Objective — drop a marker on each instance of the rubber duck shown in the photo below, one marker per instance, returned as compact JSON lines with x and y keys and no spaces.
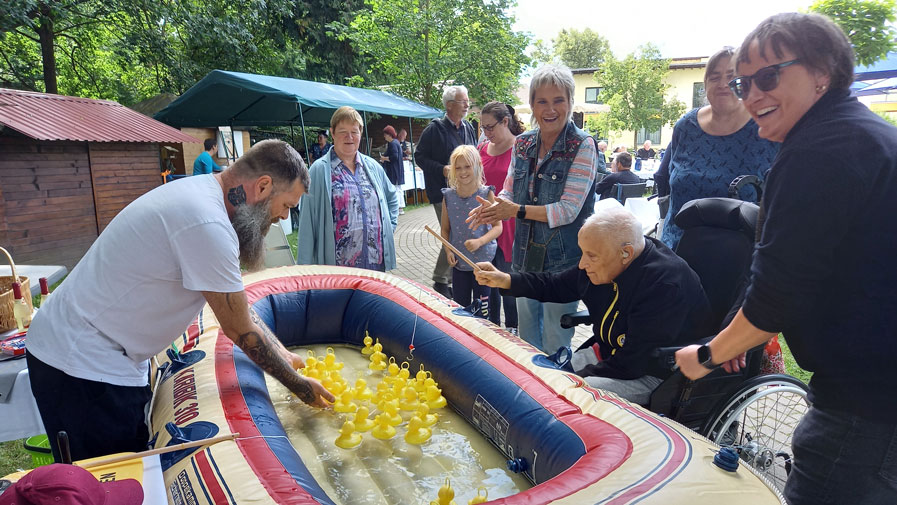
{"x":330,"y":360}
{"x":423,"y":412}
{"x":338,"y":384}
{"x":327,"y":382}
{"x":391,"y":411}
{"x":392,"y":369}
{"x":361,"y":420}
{"x":479,"y":498}
{"x":368,"y":348}
{"x":445,"y":495}
{"x":347,"y":438}
{"x":404,"y":371}
{"x":362,"y":391}
{"x":420,"y":380}
{"x":434,"y":398}
{"x":408,"y":400}
{"x":383,"y":430}
{"x":377,"y":361}
{"x":417,"y":433}
{"x":311,"y":360}
{"x":344,"y":402}
{"x":310,"y":371}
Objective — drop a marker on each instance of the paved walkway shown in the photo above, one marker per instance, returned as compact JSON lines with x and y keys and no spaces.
{"x":416,"y":252}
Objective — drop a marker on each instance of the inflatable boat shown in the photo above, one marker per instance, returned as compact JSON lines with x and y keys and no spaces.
{"x":575,"y":444}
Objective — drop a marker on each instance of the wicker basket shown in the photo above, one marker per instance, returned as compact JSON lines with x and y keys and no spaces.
{"x":7,"y":320}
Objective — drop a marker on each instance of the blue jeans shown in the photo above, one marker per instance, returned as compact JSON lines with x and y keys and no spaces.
{"x":497,"y":300}
{"x":840,"y":458}
{"x":540,"y":323}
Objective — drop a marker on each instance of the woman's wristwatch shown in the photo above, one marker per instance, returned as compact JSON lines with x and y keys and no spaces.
{"x":521,"y":212}
{"x":706,"y":359}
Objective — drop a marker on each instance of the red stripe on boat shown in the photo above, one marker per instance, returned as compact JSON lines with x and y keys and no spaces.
{"x":208,"y":478}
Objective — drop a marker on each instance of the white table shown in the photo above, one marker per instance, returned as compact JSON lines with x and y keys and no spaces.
{"x":414,"y":179}
{"x":53,"y":273}
{"x":18,"y":410}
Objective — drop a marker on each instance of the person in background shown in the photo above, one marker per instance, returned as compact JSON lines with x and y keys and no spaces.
{"x":466,"y":184}
{"x":822,"y":272}
{"x":646,"y":152}
{"x":500,"y":125}
{"x":204,"y":164}
{"x":144,"y":279}
{"x":322,"y":147}
{"x":656,"y":299}
{"x":600,"y":159}
{"x":710,"y":147}
{"x":550,"y":190}
{"x":406,"y":146}
{"x":434,"y":148}
{"x":395,"y":171}
{"x":350,"y":212}
{"x":607,"y":187}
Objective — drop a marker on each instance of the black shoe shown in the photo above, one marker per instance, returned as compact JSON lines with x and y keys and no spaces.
{"x":443,"y":289}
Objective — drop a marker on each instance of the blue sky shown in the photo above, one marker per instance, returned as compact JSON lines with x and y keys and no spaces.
{"x":679,"y":27}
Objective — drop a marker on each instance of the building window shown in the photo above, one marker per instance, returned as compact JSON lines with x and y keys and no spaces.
{"x":592,"y":95}
{"x":643,"y":135}
{"x":698,"y":95}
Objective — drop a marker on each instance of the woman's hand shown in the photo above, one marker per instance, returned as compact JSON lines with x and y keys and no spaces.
{"x":472,"y":244}
{"x":491,"y":213}
{"x":450,"y":256}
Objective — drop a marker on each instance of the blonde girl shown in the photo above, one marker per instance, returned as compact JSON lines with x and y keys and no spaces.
{"x":467,"y":182}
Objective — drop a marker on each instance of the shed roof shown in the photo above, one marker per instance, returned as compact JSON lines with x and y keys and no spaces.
{"x":44,"y":116}
{"x":240,"y":99}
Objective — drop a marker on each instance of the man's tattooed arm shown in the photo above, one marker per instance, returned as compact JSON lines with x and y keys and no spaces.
{"x":262,"y":347}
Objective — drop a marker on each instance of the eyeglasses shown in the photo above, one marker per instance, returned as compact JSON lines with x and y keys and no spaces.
{"x":462,"y":102}
{"x":491,"y":127}
{"x":767,"y":78}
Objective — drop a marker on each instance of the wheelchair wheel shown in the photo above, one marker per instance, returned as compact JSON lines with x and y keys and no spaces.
{"x":758,"y":421}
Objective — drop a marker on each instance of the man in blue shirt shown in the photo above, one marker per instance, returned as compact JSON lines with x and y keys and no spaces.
{"x":204,"y":163}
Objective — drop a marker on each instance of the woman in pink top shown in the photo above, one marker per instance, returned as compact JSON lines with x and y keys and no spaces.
{"x":501,"y":126}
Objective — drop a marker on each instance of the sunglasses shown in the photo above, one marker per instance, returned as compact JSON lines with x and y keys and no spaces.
{"x":766,"y":79}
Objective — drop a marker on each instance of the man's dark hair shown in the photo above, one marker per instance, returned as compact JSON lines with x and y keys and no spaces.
{"x":208,"y":144}
{"x":322,"y":134}
{"x":274,"y":158}
{"x":624,"y":160}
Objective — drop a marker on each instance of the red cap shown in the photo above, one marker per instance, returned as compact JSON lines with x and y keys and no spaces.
{"x":44,"y":288}
{"x":16,"y":290}
{"x":58,"y":484}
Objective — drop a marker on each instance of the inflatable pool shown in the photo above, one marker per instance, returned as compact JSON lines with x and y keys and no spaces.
{"x":574,"y":443}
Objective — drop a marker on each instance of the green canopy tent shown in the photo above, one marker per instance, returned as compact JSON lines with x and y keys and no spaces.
{"x":240,"y":99}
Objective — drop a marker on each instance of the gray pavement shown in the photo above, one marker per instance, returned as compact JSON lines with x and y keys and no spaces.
{"x":416,"y":252}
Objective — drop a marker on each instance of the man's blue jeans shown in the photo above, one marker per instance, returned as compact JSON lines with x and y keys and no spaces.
{"x":840,"y":458}
{"x":540,"y":323}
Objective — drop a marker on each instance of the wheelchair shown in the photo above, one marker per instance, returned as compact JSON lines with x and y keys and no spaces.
{"x":754,"y":414}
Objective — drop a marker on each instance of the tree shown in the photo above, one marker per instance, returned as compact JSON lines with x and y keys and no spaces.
{"x":867,"y":24}
{"x":634,"y":88}
{"x":419,"y":47}
{"x":581,"y":49}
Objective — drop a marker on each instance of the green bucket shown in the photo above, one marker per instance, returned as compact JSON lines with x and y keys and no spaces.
{"x":38,"y":447}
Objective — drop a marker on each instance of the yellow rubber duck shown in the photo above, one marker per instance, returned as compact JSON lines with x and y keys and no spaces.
{"x":383,"y":430}
{"x":420,"y":380}
{"x":391,"y":411}
{"x":347,"y":438}
{"x":377,"y":362}
{"x":446,"y":495}
{"x":362,"y":391}
{"x":362,"y":422}
{"x":479,"y":498}
{"x":368,"y":349}
{"x":417,"y":433}
{"x":344,"y":402}
{"x":434,"y":398}
{"x":310,"y":360}
{"x":405,"y":371}
{"x":423,"y":412}
{"x":409,"y":399}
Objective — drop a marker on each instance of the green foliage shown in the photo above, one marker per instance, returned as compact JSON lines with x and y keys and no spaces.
{"x":634,"y":88}
{"x":419,"y":47}
{"x":867,"y":24}
{"x":13,"y":457}
{"x":581,"y":49}
{"x":889,"y":117}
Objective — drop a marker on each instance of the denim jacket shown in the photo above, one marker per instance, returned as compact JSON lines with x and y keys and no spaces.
{"x":562,"y":249}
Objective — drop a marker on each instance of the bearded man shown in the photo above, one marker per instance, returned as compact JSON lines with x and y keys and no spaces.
{"x":143,"y":281}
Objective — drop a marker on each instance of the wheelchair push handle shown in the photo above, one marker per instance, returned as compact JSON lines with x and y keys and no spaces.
{"x":666,"y":356}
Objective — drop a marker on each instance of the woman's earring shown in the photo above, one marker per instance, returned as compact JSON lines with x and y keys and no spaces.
{"x":821,"y":88}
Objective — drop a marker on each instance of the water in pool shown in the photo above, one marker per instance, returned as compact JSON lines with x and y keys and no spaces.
{"x":390,"y":471}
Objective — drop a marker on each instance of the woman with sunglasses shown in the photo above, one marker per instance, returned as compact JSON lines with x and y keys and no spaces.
{"x":823,"y":272}
{"x":501,"y":127}
{"x":711,"y":146}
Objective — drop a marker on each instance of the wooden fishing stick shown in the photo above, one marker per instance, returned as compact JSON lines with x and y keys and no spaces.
{"x":161,"y":450}
{"x":453,"y":249}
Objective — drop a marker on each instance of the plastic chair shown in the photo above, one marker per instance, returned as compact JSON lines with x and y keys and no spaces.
{"x":625,"y":191}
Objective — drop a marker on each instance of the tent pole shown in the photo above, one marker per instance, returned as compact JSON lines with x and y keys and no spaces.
{"x":292,"y":137}
{"x":233,"y":143}
{"x":304,"y":138}
{"x":413,"y":169}
{"x":367,"y":141}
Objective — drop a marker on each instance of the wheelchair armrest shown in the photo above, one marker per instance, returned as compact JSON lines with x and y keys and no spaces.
{"x":575,"y":319}
{"x":666,"y":356}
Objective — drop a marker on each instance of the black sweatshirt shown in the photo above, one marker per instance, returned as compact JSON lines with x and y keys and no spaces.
{"x":656,"y":302}
{"x":825,"y":270}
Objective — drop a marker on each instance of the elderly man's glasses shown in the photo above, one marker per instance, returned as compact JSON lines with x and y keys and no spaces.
{"x":462,"y":102}
{"x":489,"y":128}
{"x":766,"y":79}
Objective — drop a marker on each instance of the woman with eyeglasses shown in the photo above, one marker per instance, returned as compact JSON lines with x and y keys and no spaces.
{"x":549,"y":188}
{"x":501,"y":126}
{"x":711,"y":146}
{"x":823,"y":272}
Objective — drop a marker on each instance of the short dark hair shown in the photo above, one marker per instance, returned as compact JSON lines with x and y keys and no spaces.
{"x":624,"y":160}
{"x":499,"y":111}
{"x":208,"y":144}
{"x":322,"y":134}
{"x":725,"y":52}
{"x":274,"y":158}
{"x":814,"y":39}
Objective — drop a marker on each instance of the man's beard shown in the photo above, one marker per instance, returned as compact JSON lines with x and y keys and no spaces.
{"x":251,"y":223}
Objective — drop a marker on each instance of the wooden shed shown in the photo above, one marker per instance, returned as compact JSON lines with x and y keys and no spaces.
{"x":68,"y":165}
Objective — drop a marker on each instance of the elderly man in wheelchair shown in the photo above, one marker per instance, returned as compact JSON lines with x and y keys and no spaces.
{"x":642,"y":297}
